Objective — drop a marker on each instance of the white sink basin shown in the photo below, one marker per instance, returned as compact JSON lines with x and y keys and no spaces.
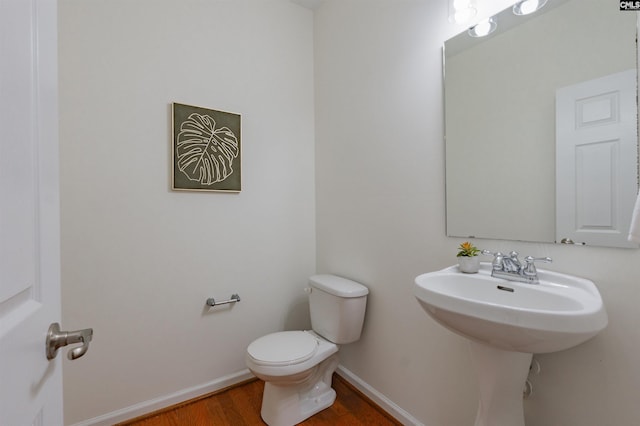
{"x":560,"y":312}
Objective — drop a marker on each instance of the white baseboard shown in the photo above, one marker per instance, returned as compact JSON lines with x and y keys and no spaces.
{"x":159,"y":403}
{"x":382,"y":401}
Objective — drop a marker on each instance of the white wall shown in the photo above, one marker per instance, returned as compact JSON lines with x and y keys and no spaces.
{"x":380,"y":220}
{"x":138,"y":260}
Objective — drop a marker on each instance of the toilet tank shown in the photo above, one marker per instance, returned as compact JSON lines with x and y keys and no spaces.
{"x":337,"y":307}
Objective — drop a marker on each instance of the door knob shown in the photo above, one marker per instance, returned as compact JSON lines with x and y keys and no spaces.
{"x":57,"y":339}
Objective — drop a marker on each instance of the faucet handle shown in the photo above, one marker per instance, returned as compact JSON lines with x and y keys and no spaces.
{"x":530,"y":259}
{"x":529,"y":267}
{"x":496,"y":264}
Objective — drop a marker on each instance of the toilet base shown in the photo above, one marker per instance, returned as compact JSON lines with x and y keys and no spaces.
{"x":290,"y":404}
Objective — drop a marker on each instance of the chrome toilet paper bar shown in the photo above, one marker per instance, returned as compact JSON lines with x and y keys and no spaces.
{"x":234,"y":298}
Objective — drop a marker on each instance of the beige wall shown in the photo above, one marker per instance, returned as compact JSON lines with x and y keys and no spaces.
{"x":380,"y":219}
{"x":138,"y":260}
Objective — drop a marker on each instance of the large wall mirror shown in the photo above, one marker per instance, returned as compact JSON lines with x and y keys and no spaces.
{"x":541,"y":126}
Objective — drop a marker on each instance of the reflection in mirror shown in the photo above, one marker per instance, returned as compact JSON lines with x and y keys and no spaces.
{"x":512,"y":99}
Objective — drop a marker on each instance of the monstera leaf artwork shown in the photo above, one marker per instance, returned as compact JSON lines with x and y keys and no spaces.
{"x":206,"y":154}
{"x":206,"y":149}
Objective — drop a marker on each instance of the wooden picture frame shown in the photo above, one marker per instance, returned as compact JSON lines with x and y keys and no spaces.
{"x":206,"y":149}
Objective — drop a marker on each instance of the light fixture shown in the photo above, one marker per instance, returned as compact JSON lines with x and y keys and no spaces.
{"x":483,"y":28}
{"x":526,"y":7}
{"x":461,"y":11}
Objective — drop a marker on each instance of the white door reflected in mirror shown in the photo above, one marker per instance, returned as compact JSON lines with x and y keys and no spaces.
{"x":596,"y":160}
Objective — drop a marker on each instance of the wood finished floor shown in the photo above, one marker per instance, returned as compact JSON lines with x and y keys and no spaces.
{"x":240,"y":406}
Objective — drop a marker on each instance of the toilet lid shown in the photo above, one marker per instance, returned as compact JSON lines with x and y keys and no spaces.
{"x":283,"y":348}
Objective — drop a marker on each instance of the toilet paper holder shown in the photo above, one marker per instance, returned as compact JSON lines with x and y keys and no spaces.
{"x":233,"y":299}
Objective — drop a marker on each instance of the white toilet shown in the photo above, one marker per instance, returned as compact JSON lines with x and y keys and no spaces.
{"x":297,"y":365}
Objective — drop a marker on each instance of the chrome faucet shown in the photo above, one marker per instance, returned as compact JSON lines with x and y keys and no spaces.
{"x":510,"y":268}
{"x":511,"y":263}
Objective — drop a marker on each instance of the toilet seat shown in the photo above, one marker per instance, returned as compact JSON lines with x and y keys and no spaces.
{"x":283,"y":348}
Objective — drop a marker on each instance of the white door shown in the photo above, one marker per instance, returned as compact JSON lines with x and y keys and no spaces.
{"x":596,"y":160}
{"x":30,"y":385}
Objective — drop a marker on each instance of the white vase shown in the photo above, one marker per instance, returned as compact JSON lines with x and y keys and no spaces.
{"x":469,"y":265}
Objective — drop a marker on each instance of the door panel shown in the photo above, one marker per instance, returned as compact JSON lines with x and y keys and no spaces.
{"x":596,"y":160}
{"x":30,"y":386}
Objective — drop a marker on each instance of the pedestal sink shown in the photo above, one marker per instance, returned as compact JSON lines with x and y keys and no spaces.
{"x":507,"y":322}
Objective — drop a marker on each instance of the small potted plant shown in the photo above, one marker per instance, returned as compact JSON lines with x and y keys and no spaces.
{"x":468,"y":260}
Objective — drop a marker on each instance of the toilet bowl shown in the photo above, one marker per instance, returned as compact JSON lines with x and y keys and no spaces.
{"x":297,"y":366}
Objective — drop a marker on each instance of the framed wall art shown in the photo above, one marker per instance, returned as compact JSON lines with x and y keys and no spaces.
{"x":206,"y":149}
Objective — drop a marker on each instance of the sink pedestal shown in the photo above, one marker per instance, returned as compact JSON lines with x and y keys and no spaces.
{"x":501,"y":378}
